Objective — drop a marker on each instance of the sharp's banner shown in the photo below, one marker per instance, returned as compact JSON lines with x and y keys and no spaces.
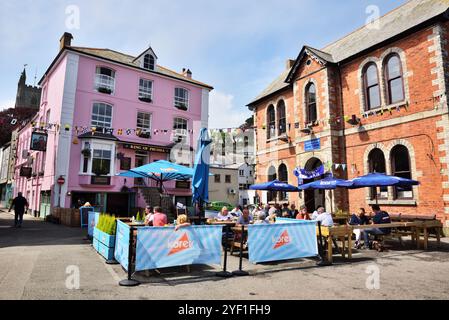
{"x":282,"y":241}
{"x":121,"y":250}
{"x":165,"y":247}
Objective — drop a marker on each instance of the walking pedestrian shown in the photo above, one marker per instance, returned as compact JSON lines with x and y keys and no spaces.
{"x":19,"y":203}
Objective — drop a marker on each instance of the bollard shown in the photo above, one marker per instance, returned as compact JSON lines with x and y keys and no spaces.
{"x":130,"y":282}
{"x":224,"y":273}
{"x":240,"y":272}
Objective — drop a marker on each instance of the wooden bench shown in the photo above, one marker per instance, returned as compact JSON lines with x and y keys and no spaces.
{"x":342,"y":233}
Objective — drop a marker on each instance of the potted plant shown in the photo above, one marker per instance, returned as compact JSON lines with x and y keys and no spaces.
{"x":86,"y":152}
{"x":104,"y":236}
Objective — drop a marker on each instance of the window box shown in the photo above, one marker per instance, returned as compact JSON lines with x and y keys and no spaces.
{"x":41,"y":173}
{"x":34,"y":174}
{"x":104,"y":90}
{"x":143,"y":99}
{"x":181,"y":106}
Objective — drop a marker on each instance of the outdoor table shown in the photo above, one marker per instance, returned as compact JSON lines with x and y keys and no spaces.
{"x":414,"y":226}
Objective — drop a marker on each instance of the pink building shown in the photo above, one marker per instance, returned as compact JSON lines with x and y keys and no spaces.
{"x":103,"y":112}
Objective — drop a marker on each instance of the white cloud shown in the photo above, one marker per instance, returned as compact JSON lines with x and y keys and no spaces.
{"x":223,"y":113}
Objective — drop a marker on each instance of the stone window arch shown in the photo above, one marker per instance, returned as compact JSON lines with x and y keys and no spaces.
{"x":394,"y":79}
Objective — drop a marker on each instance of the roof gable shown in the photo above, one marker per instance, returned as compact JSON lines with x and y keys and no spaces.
{"x":319,"y":56}
{"x":149,"y":50}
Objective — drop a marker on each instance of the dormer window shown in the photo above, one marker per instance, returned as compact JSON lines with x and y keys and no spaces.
{"x":149,"y":62}
{"x":181,"y":98}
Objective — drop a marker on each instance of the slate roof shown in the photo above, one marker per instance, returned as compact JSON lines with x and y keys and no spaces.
{"x":401,"y":19}
{"x":131,"y":61}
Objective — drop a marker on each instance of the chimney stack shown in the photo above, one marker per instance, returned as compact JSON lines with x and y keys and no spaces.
{"x":187,"y":73}
{"x":289,"y":63}
{"x":65,"y":41}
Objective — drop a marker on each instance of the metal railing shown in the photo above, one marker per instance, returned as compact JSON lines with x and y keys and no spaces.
{"x":105,"y":82}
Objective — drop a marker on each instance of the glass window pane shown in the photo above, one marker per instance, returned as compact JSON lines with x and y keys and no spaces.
{"x":396,"y":90}
{"x":394,"y":67}
{"x":371,"y":75}
{"x":373,"y":97}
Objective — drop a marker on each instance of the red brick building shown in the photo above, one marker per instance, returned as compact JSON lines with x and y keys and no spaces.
{"x":373,"y":101}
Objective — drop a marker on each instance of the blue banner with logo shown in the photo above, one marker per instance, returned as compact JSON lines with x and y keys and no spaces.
{"x":162,"y":247}
{"x":121,"y":250}
{"x":93,"y":220}
{"x":282,"y":241}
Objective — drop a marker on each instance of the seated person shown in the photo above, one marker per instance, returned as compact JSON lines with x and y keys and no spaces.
{"x":159,"y":218}
{"x":303,"y":214}
{"x":293,"y":211}
{"x":224,"y":215}
{"x":285,"y":211}
{"x":315,"y":213}
{"x":149,"y":215}
{"x":358,"y":219}
{"x":246,"y":218}
{"x":182,"y":221}
{"x":380,"y":217}
{"x":261,"y":218}
{"x":324,"y":217}
{"x":272,"y":214}
{"x":237,"y":211}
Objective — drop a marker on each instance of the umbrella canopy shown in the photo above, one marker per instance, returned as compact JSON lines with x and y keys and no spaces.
{"x":381,"y":180}
{"x":200,"y":180}
{"x":328,"y":183}
{"x":160,"y":171}
{"x":274,"y":185}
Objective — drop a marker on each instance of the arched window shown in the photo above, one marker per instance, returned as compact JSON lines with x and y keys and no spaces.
{"x":393,"y":79}
{"x":282,"y":123}
{"x":271,"y":195}
{"x":148,"y":62}
{"x":283,"y":177}
{"x":271,"y":122}
{"x":311,"y":112}
{"x":371,"y":87}
{"x":376,"y":161}
{"x":400,"y":166}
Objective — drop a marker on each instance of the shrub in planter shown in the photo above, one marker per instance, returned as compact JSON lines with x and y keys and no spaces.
{"x":104,"y":235}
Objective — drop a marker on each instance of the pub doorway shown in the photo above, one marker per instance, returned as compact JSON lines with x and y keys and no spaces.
{"x":313,"y":198}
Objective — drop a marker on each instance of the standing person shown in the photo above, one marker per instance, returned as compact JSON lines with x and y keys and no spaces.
{"x":159,"y":218}
{"x":19,"y":203}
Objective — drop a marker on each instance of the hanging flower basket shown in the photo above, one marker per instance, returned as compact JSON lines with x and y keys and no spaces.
{"x":86,"y":152}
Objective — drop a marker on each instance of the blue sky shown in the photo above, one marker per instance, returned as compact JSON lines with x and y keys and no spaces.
{"x":238,"y":47}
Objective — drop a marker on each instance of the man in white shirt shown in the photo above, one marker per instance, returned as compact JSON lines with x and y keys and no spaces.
{"x":324,"y":217}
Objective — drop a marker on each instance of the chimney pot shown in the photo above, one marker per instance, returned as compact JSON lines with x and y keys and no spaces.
{"x":65,"y":41}
{"x":289,"y":63}
{"x":189,"y":74}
